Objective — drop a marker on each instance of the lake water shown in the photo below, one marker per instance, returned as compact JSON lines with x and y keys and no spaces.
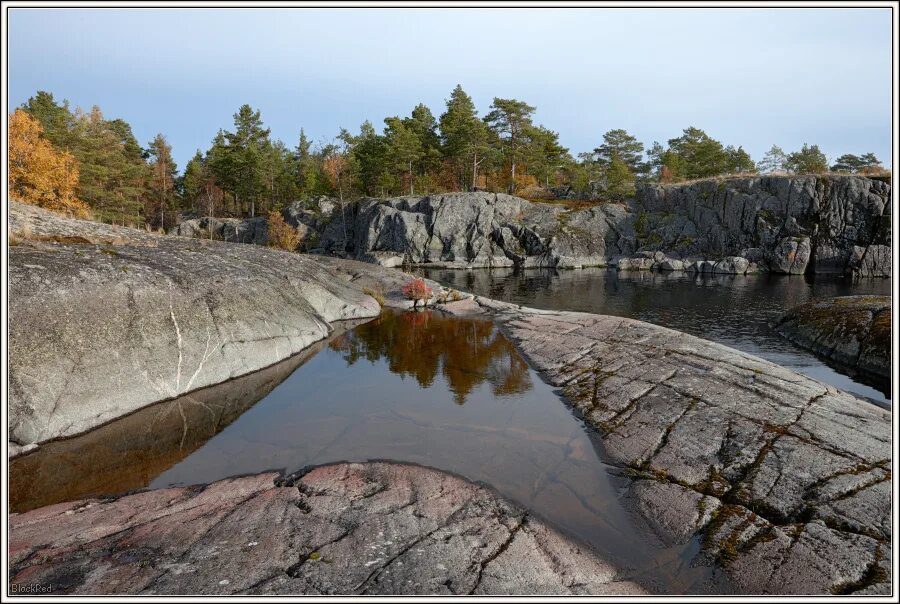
{"x":735,"y":310}
{"x":418,"y":387}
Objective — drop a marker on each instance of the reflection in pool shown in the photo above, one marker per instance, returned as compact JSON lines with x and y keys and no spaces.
{"x":418,"y":387}
{"x":419,"y":344}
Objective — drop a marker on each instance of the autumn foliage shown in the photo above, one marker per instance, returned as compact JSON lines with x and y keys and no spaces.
{"x":416,"y":290}
{"x":39,"y":174}
{"x":281,"y":234}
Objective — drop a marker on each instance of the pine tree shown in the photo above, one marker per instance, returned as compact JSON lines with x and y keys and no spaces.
{"x":403,"y":149}
{"x":57,"y":120}
{"x":246,"y":150}
{"x":193,"y":180}
{"x":510,"y":120}
{"x":423,"y":123}
{"x":544,"y":155}
{"x":739,"y":161}
{"x":464,"y":137}
{"x":619,"y":144}
{"x":808,"y":160}
{"x":619,"y":179}
{"x":775,"y":160}
{"x":161,"y":200}
{"x":699,"y":155}
{"x":307,"y":171}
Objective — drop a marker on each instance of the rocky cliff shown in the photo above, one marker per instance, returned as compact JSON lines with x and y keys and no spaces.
{"x":781,"y":224}
{"x":788,"y":224}
{"x":469,"y":230}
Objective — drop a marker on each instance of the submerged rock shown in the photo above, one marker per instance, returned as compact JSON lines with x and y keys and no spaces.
{"x":852,"y":331}
{"x":372,"y":528}
{"x":105,"y":320}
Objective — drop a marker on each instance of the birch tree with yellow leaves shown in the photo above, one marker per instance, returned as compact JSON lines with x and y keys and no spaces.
{"x":39,"y":174}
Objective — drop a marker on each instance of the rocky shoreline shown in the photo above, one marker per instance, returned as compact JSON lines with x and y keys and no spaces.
{"x":854,"y":332}
{"x":787,"y":480}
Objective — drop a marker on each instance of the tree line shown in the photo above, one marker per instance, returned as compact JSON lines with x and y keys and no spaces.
{"x":80,"y":161}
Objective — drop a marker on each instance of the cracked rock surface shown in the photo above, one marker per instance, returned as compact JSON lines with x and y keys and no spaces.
{"x":852,"y":331}
{"x":105,"y":320}
{"x":788,"y":479}
{"x":372,"y":528}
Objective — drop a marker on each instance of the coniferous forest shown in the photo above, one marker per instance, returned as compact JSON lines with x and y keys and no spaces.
{"x":85,"y":163}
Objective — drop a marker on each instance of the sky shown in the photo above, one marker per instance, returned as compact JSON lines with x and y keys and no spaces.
{"x":747,"y":77}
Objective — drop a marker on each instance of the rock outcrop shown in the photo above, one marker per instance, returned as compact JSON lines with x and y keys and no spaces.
{"x":737,"y":225}
{"x":470,"y":230}
{"x":854,"y":332}
{"x":787,"y":479}
{"x":820,"y":224}
{"x":374,"y":528}
{"x":106,"y":320}
{"x":232,"y":230}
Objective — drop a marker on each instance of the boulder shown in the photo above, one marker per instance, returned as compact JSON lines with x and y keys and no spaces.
{"x":637,"y":263}
{"x":791,"y":256}
{"x":732,"y":265}
{"x":375,"y":528}
{"x":233,"y":230}
{"x":670,"y":264}
{"x":871,"y":261}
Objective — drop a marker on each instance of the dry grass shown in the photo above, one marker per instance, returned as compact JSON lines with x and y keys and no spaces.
{"x":376,"y":292}
{"x":572,"y":204}
{"x":739,"y":175}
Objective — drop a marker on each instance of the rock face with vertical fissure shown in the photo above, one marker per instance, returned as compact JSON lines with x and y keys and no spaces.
{"x":373,"y":528}
{"x":471,"y":230}
{"x":821,"y":224}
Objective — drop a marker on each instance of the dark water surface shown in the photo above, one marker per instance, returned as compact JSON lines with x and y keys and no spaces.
{"x":735,"y":310}
{"x":417,"y":387}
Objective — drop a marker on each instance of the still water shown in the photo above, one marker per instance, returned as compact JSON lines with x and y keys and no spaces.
{"x":417,"y":387}
{"x":735,"y":310}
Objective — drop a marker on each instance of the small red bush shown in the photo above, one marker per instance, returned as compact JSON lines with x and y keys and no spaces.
{"x":416,"y":290}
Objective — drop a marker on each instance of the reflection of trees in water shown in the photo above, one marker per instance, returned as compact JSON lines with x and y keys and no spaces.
{"x":467,"y":352}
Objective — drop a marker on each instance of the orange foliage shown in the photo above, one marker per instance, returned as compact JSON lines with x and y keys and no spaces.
{"x":38,"y":173}
{"x":665,"y":175}
{"x":281,"y":234}
{"x":416,"y":290}
{"x":334,"y":167}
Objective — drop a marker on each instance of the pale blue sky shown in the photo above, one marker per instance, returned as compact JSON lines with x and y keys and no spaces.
{"x":747,"y":77}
